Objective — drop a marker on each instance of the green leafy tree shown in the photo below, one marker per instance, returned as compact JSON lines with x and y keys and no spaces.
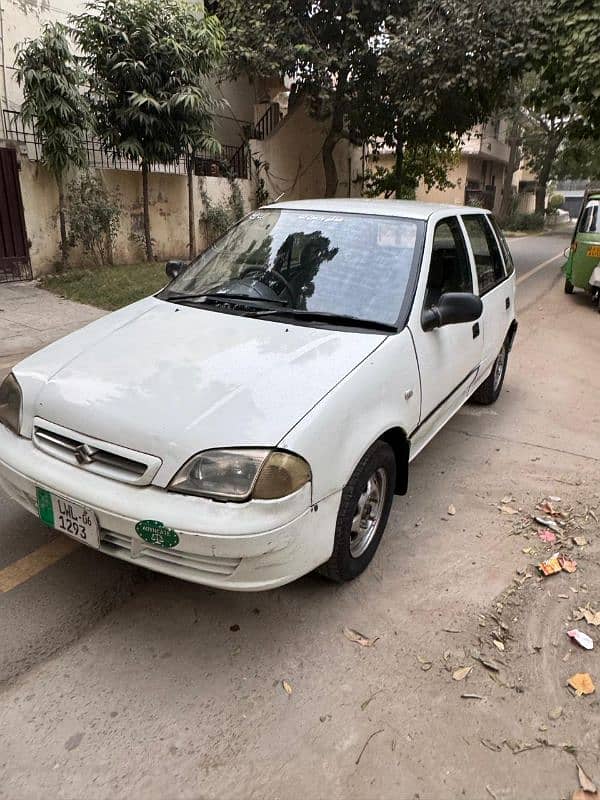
{"x":52,"y":103}
{"x":578,"y":159}
{"x":420,"y":162}
{"x":148,"y":62}
{"x":328,"y":47}
{"x":445,"y":67}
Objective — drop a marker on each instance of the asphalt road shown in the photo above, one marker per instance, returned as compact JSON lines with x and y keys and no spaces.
{"x":150,"y":692}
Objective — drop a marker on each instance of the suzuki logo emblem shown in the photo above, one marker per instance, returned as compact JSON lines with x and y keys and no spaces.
{"x":84,"y":454}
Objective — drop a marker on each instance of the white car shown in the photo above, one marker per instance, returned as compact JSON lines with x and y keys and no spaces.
{"x":253,"y":420}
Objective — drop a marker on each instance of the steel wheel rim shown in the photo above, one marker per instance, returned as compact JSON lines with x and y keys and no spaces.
{"x":369,"y":510}
{"x":499,"y":369}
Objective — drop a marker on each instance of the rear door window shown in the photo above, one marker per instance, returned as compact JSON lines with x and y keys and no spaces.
{"x":508,"y":261}
{"x":488,"y":261}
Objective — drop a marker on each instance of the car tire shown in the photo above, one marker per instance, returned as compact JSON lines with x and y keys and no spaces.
{"x":568,"y":286}
{"x":490,"y":389}
{"x":362,"y":517}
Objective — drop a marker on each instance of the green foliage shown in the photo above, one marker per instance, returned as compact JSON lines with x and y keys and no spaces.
{"x":430,"y":164}
{"x":578,"y":158}
{"x":568,"y":56}
{"x":555,"y":201}
{"x":93,"y":217}
{"x":519,"y":221}
{"x":148,"y":63}
{"x":51,"y":82}
{"x":219,"y":217}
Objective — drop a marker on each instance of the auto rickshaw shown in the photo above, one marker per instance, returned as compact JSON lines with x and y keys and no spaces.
{"x":583,"y":259}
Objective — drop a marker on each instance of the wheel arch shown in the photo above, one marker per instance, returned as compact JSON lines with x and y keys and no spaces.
{"x":400,"y":444}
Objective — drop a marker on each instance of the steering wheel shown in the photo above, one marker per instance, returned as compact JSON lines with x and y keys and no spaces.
{"x":270,"y":272}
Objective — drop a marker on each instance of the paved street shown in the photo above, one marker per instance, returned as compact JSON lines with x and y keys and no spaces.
{"x":116,"y":683}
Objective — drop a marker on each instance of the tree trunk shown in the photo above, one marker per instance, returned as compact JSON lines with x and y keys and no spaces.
{"x":399,"y":165}
{"x":147,"y":237}
{"x":64,"y":246}
{"x":544,"y":174}
{"x":191,"y":210}
{"x":514,"y":159}
{"x":329,"y":166}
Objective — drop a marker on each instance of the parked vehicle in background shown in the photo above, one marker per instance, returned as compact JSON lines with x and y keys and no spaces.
{"x":584,"y":254}
{"x":253,"y":420}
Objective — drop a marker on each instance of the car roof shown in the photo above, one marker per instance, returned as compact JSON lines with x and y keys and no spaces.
{"x":410,"y":209}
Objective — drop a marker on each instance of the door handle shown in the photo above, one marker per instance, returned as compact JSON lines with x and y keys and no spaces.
{"x":507,"y":303}
{"x":476,"y":330}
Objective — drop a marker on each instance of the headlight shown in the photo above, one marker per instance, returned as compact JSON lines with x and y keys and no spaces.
{"x":11,"y":403}
{"x":242,"y":474}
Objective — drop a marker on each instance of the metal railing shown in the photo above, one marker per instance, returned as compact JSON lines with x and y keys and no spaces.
{"x":268,"y":122}
{"x":232,"y":160}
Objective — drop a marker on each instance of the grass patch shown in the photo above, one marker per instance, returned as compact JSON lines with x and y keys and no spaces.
{"x":107,"y":287}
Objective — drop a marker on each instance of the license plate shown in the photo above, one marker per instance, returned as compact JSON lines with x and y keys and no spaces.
{"x":68,"y":517}
{"x":594,"y":251}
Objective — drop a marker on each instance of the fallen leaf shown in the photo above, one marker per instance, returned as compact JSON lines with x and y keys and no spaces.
{"x":499,"y":645}
{"x":426,"y":667}
{"x":568,"y":564}
{"x":506,"y":499}
{"x":470,"y":696}
{"x":487,"y":662}
{"x":585,"y":782}
{"x":580,"y":541}
{"x":555,"y":713}
{"x":451,"y":510}
{"x":507,"y":509}
{"x":591,"y":617}
{"x":461,"y":673}
{"x":582,"y":683}
{"x":581,"y":638}
{"x":287,"y":688}
{"x":359,"y":638}
{"x":546,"y":535}
{"x":529,"y":551}
{"x":579,"y":794}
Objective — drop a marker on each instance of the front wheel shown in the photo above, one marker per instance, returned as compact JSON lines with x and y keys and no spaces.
{"x":568,"y":286}
{"x":490,"y":389}
{"x":363,"y":515}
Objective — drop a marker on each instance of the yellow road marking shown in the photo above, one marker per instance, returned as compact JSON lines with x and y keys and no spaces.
{"x":33,"y":563}
{"x":537,"y":268}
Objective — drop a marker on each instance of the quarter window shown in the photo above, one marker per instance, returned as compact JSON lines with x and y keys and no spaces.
{"x":488,"y":261}
{"x":590,"y":220}
{"x":449,"y":270}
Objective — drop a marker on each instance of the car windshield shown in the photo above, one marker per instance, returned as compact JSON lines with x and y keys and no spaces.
{"x":590,"y":219}
{"x":350,"y":265}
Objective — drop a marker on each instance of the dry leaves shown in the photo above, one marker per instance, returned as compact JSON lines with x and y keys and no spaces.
{"x":451,"y":510}
{"x":585,"y":782}
{"x":591,"y":617}
{"x":359,"y":638}
{"x":507,"y":509}
{"x":461,"y":673}
{"x":499,"y":645}
{"x":287,"y":687}
{"x":568,"y":564}
{"x":582,"y":683}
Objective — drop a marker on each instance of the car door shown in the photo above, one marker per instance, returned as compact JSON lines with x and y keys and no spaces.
{"x":449,"y":356}
{"x":495,"y":291}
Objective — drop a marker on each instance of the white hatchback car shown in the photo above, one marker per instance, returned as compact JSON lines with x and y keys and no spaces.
{"x":253,"y":420}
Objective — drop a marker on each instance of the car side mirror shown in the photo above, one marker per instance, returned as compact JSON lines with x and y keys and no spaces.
{"x":452,"y":308}
{"x":175,"y":268}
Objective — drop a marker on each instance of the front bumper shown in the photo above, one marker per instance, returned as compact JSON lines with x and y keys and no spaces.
{"x":245,"y":547}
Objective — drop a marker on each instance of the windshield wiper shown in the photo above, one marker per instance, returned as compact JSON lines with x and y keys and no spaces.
{"x":329,"y":317}
{"x":223,"y":298}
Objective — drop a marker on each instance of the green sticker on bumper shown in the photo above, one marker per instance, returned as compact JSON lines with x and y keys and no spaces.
{"x":45,"y":509}
{"x":155,"y":533}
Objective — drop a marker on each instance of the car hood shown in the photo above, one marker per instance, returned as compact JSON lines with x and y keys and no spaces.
{"x":172,"y":380}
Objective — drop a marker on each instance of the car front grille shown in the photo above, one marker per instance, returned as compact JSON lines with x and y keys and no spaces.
{"x":108,"y":460}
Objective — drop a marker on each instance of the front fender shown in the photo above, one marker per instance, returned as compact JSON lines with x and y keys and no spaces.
{"x":382,"y":393}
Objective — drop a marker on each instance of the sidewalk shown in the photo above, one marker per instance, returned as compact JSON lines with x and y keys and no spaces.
{"x":31,"y":318}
